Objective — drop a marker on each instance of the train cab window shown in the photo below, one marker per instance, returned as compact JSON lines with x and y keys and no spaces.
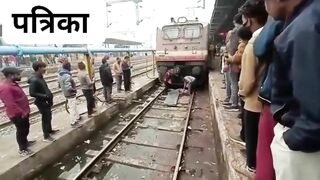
{"x":191,"y":32}
{"x":171,"y":32}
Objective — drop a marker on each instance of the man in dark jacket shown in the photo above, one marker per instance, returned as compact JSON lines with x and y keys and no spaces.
{"x":295,"y":90}
{"x":106,"y":79}
{"x":17,"y":107}
{"x":38,"y":89}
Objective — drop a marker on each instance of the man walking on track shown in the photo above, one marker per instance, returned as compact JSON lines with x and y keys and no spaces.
{"x":44,"y":99}
{"x":17,"y":107}
{"x":106,"y":79}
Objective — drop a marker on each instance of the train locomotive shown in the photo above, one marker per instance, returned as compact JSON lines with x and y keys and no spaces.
{"x":182,"y":47}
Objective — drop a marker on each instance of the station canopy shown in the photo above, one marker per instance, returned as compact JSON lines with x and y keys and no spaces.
{"x":120,"y":42}
{"x":222,"y":15}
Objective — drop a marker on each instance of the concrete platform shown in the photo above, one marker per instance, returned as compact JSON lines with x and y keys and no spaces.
{"x":226,"y":124}
{"x":13,"y":166}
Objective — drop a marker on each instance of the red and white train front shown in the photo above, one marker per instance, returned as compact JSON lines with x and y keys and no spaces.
{"x":183,"y":46}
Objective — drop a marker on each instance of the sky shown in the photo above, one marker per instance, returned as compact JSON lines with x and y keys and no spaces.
{"x":121,"y":17}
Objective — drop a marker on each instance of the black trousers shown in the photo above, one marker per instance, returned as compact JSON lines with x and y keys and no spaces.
{"x":126,"y":79}
{"x":94,"y":87}
{"x":242,"y":131}
{"x":88,"y":94}
{"x":251,"y":122}
{"x":22,"y":126}
{"x":45,"y":110}
{"x":94,"y":91}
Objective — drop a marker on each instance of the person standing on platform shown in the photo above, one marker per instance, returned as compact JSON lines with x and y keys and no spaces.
{"x":17,"y":107}
{"x":234,"y":69}
{"x":245,"y":35}
{"x":87,"y":87}
{"x":117,"y":69}
{"x":38,"y":89}
{"x":90,"y":69}
{"x":295,"y":90}
{"x":106,"y":79}
{"x":69,"y":90}
{"x":126,"y":71}
{"x":254,"y":17}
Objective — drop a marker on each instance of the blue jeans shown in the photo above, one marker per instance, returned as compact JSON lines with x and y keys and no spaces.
{"x":234,"y":78}
{"x":228,"y":84}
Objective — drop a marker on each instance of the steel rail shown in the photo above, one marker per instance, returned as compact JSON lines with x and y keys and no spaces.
{"x":30,"y":99}
{"x":52,"y":77}
{"x":115,"y":139}
{"x":183,"y":140}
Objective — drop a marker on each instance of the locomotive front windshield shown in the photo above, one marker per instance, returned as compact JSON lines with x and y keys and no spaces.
{"x":171,"y":32}
{"x":191,"y":32}
{"x":182,"y":31}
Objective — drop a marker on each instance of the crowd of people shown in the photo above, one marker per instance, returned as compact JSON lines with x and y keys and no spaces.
{"x":17,"y":104}
{"x":271,"y":69}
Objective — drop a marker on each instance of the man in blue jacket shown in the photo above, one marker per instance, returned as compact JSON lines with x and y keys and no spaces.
{"x":295,"y":90}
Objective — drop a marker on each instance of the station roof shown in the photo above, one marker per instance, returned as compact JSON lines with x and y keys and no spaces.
{"x":120,"y":42}
{"x":222,"y":15}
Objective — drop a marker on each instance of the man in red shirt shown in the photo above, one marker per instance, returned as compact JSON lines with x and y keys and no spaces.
{"x":17,"y":107}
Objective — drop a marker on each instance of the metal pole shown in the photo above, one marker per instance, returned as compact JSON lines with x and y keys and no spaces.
{"x":88,"y":65}
{"x":137,"y":13}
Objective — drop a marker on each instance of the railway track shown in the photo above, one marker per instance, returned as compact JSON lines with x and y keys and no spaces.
{"x":54,"y":79}
{"x":50,"y":77}
{"x":61,"y":101}
{"x":148,"y":146}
